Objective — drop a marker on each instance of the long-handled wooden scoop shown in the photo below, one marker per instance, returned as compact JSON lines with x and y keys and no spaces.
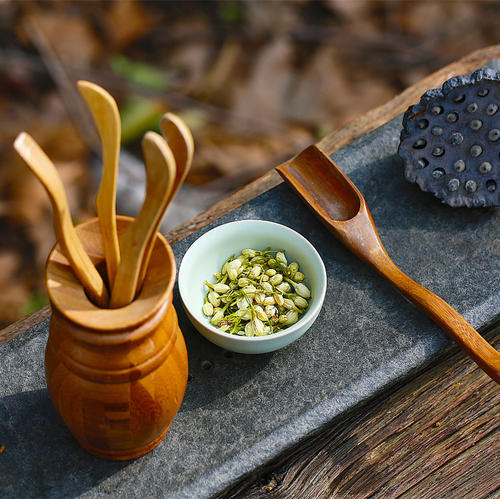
{"x":107,"y":119}
{"x":82,"y":266}
{"x":342,"y":208}
{"x":180,"y":142}
{"x":160,"y":174}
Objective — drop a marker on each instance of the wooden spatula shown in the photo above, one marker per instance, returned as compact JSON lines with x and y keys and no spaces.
{"x":82,"y":266}
{"x":107,"y":119}
{"x":160,"y":175}
{"x":342,"y":208}
{"x":181,"y":143}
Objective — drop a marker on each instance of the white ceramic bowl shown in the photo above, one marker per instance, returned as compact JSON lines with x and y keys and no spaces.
{"x":207,"y":255}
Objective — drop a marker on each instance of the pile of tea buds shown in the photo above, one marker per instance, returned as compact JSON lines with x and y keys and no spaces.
{"x":256,"y":293}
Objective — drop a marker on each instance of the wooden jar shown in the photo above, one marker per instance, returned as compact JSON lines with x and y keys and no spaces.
{"x":117,"y":377}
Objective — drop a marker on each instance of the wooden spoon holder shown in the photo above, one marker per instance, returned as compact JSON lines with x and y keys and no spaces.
{"x":117,"y":376}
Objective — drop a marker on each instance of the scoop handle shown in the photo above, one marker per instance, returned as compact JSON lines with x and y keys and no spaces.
{"x":361,"y":228}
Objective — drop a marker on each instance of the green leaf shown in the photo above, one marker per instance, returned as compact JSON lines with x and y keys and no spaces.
{"x":142,"y":74}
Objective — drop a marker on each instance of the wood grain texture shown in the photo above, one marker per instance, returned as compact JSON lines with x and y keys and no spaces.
{"x":160,"y":176}
{"x":46,"y":172}
{"x":116,"y":377}
{"x":341,"y":207}
{"x":107,"y":119}
{"x":436,"y":436}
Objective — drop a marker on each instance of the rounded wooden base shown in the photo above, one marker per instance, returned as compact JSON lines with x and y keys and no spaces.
{"x":125,"y":454}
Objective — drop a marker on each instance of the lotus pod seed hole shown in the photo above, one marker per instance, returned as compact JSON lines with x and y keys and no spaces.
{"x":485,"y":167}
{"x":437,"y":130}
{"x":456,"y":138}
{"x":476,"y":125}
{"x":438,"y":173}
{"x":452,"y":117}
{"x":494,"y":134}
{"x":453,"y":184}
{"x":476,"y":150}
{"x":438,"y":151}
{"x":473,"y":107}
{"x":491,"y":109}
{"x":459,"y":165}
{"x":422,"y":124}
{"x":206,"y":365}
{"x":436,"y":110}
{"x":470,"y":186}
{"x":420,"y":144}
{"x":422,"y":163}
{"x":491,"y":186}
{"x":483,"y":92}
{"x":459,"y":98}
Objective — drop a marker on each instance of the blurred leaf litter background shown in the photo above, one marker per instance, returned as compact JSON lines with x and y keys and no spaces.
{"x":257,"y":81}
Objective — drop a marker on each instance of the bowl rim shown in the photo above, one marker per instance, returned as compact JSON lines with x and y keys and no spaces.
{"x":313,"y":312}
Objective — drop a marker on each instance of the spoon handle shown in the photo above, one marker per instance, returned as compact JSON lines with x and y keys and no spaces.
{"x":107,"y":119}
{"x":180,"y":141}
{"x":443,"y":314}
{"x":46,"y":172}
{"x":160,"y":173}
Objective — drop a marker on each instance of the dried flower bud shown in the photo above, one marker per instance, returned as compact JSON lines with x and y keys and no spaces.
{"x":270,"y":272}
{"x":214,"y":298}
{"x":269,"y":300}
{"x":293,"y":267}
{"x":287,"y":303}
{"x":259,"y":298}
{"x":259,"y":312}
{"x":292,"y":316}
{"x":243,"y":303}
{"x":233,"y":285}
{"x":226,"y":298}
{"x":217,"y":275}
{"x":249,"y":290}
{"x":208,"y":309}
{"x":245,"y":315}
{"x":254,"y":328}
{"x":224,"y":268}
{"x":267,"y":330}
{"x":284,"y":287}
{"x":280,"y":257}
{"x":300,"y":302}
{"x":282,"y":319}
{"x":224,"y":327}
{"x":232,"y":269}
{"x":221,"y":288}
{"x":250,"y":253}
{"x":265,"y":278}
{"x":270,"y":311}
{"x":255,"y":272}
{"x":298,"y":277}
{"x":243,"y":281}
{"x":301,"y":289}
{"x":266,"y":286}
{"x":271,"y":262}
{"x":276,"y":279}
{"x":279,"y":299}
{"x":217,"y":317}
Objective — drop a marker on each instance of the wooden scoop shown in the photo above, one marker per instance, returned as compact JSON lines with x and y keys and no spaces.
{"x":107,"y":119}
{"x":342,"y":208}
{"x":72,"y":248}
{"x":180,"y":142}
{"x":160,"y":174}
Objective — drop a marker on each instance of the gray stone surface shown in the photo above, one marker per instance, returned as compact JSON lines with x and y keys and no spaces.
{"x":246,"y":409}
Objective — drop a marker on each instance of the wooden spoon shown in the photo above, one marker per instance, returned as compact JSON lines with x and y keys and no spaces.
{"x":160,"y":174}
{"x":107,"y":119}
{"x":342,"y":208}
{"x":82,"y":266}
{"x":181,"y":143}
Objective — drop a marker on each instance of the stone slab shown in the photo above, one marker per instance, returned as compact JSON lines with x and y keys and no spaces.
{"x":245,"y":410}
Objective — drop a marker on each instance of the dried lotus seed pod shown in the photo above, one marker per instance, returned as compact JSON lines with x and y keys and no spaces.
{"x":450,"y":142}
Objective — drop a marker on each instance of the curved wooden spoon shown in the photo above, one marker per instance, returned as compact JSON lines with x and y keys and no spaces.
{"x":342,"y":208}
{"x":82,"y":266}
{"x":107,"y":119}
{"x":181,"y":143}
{"x":160,"y":173}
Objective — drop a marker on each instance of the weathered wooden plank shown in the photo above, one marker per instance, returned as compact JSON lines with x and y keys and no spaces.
{"x":436,"y":436}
